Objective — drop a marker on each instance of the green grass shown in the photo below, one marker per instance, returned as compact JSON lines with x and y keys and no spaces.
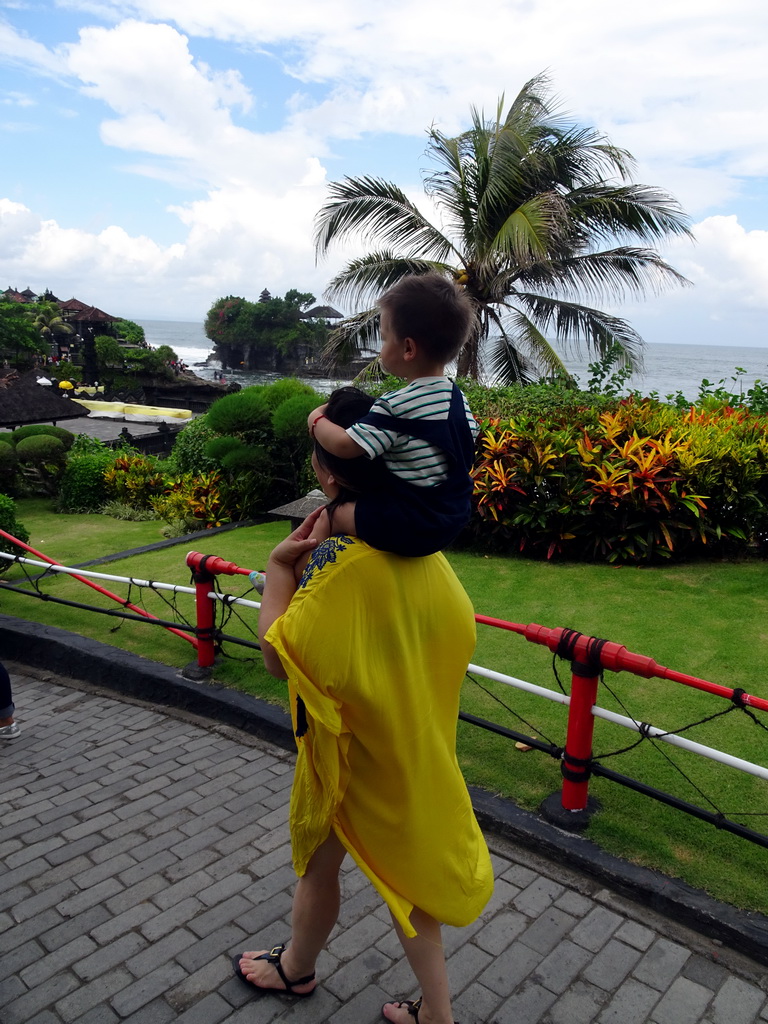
{"x":705,"y":619}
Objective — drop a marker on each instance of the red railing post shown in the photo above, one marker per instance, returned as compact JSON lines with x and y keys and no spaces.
{"x":578,"y":741}
{"x":205,"y":619}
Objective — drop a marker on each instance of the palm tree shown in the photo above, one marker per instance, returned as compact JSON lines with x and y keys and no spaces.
{"x":526,"y":204}
{"x":50,"y":323}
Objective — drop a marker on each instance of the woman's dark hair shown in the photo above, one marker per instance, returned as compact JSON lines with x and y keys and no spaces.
{"x":354,"y":476}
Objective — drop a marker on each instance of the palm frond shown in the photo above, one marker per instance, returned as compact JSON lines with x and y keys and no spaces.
{"x":376,"y":209}
{"x":364,"y":279}
{"x":574,"y":326}
{"x":635,"y":211}
{"x":531,"y":230}
{"x":602,"y":276}
{"x":350,"y":337}
{"x":505,"y":362}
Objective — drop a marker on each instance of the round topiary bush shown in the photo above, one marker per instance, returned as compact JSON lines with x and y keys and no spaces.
{"x":240,"y":413}
{"x":6,"y":436}
{"x":40,"y":449}
{"x":66,"y":437}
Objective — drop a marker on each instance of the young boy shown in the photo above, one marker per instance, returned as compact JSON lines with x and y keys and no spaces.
{"x":424,"y":432}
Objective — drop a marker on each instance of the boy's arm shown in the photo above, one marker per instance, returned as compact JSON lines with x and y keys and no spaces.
{"x":331,"y":436}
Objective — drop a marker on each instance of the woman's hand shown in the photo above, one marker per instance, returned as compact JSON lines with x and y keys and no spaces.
{"x":286,"y":554}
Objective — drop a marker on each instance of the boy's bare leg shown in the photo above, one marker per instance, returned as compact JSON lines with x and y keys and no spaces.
{"x":315,"y":911}
{"x":427,"y":959}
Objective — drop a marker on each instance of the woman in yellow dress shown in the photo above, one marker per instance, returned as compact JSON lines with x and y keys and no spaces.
{"x":374,"y":647}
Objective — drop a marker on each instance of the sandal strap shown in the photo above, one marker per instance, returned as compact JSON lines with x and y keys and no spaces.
{"x":273,"y":957}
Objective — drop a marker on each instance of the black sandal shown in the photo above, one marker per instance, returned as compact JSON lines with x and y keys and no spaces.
{"x":273,"y":957}
{"x":412,"y":1006}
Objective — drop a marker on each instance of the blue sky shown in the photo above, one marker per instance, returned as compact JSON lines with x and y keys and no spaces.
{"x":158,"y":154}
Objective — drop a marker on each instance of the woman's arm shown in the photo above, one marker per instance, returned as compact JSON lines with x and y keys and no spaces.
{"x":280,"y":586}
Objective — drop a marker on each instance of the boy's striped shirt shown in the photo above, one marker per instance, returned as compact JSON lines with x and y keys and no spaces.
{"x":411,"y":458}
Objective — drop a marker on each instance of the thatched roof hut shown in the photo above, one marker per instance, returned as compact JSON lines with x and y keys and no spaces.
{"x":23,"y":400}
{"x":321,"y":313}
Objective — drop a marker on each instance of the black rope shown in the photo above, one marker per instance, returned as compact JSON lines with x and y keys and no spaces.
{"x":516,"y":714}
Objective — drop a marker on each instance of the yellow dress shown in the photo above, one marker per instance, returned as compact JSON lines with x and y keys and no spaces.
{"x":376,"y":646}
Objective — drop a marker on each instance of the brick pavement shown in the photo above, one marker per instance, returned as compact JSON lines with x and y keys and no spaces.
{"x":141,"y":848}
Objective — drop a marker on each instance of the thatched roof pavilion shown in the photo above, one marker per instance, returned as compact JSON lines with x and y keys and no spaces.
{"x":321,"y":313}
{"x":23,"y":400}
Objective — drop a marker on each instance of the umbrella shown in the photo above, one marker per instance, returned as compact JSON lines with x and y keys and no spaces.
{"x":44,"y":381}
{"x":66,"y":385}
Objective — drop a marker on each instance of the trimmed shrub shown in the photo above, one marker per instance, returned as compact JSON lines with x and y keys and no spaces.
{"x":8,"y":461}
{"x":287,"y":388}
{"x":83,"y":487}
{"x":189,"y":455}
{"x":244,"y":412}
{"x":9,"y":524}
{"x":41,"y":449}
{"x":6,"y":437}
{"x":66,"y":437}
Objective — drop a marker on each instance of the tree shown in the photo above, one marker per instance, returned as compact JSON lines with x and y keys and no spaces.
{"x":48,"y":320}
{"x":527,"y":201}
{"x":18,"y":332}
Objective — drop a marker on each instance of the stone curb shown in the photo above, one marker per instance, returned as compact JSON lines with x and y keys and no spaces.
{"x":52,"y":649}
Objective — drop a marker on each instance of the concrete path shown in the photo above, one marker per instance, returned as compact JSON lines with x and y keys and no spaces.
{"x":141,"y":848}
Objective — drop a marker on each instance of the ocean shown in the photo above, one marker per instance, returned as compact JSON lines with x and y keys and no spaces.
{"x":667,"y":368}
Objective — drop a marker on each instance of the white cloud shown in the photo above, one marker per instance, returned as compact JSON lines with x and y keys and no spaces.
{"x":681,"y":84}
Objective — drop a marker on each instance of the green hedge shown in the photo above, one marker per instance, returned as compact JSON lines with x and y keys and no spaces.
{"x":638,"y":483}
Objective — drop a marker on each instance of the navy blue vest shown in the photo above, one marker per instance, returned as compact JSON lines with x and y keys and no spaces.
{"x":415,"y":521}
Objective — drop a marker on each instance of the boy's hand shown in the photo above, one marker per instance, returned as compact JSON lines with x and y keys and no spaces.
{"x":319,"y":411}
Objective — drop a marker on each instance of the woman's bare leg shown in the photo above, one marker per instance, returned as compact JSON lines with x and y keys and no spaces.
{"x":427,"y":959}
{"x":315,"y":911}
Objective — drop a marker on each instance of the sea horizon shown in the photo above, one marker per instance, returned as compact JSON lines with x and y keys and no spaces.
{"x":668,"y":368}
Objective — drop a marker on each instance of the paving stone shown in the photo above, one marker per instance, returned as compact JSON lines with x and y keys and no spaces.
{"x":537,"y":896}
{"x":510,"y":968}
{"x":557,"y":971}
{"x":476,"y":1005}
{"x":611,"y":965}
{"x":500,"y":931}
{"x":705,"y":972}
{"x":636,"y":935}
{"x":661,"y":963}
{"x":109,"y":956}
{"x":631,"y":1004}
{"x":199,"y":952}
{"x":48,"y":964}
{"x":176,"y":917}
{"x":596,"y":928}
{"x":195,"y":986}
{"x":684,"y":1002}
{"x":529,"y":1003}
{"x":547,"y":930}
{"x":25,"y":1006}
{"x":582,"y":1002}
{"x":345,"y":982}
{"x":144,"y":990}
{"x":737,"y":1002}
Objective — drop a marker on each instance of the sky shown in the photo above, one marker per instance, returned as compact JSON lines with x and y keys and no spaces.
{"x":156,"y":155}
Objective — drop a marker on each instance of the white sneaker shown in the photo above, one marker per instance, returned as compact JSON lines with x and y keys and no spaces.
{"x":9,"y":732}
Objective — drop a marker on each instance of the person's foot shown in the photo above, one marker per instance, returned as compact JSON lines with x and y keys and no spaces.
{"x":273,"y":973}
{"x":9,"y":731}
{"x":407,"y":1011}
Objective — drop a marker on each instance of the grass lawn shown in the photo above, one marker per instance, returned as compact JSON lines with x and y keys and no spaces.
{"x":705,"y":619}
